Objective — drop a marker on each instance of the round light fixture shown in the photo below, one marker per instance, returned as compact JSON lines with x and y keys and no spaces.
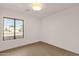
{"x":36,"y":6}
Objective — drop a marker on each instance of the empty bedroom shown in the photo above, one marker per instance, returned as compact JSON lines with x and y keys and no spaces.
{"x":39,"y":29}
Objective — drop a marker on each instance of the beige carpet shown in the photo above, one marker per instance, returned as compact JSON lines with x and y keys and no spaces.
{"x":37,"y":49}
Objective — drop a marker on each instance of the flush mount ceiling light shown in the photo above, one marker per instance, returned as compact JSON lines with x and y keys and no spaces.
{"x":36,"y":6}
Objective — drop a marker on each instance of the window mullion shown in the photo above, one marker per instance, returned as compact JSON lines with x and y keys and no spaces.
{"x":14,"y":29}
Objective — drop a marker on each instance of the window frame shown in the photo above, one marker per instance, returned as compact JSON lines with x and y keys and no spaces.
{"x":14,"y":27}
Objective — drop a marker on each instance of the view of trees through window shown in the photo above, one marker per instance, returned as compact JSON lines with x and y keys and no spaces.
{"x":13,"y":28}
{"x":19,"y":29}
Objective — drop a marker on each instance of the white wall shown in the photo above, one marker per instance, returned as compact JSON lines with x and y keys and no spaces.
{"x":31,"y":29}
{"x":62,"y":29}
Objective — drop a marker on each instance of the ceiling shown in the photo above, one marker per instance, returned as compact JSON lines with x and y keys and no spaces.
{"x":47,"y":8}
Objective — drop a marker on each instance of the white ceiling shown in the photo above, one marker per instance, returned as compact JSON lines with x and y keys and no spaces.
{"x":48,"y":8}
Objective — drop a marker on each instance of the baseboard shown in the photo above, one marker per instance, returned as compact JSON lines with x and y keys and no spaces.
{"x":20,"y":46}
{"x":59,"y":47}
{"x":37,"y":42}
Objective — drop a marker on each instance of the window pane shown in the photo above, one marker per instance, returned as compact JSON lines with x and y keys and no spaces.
{"x":8,"y":29}
{"x":18,"y":29}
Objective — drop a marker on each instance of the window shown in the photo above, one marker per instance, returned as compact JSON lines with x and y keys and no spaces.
{"x":8,"y":29}
{"x":13,"y":28}
{"x":19,"y":29}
